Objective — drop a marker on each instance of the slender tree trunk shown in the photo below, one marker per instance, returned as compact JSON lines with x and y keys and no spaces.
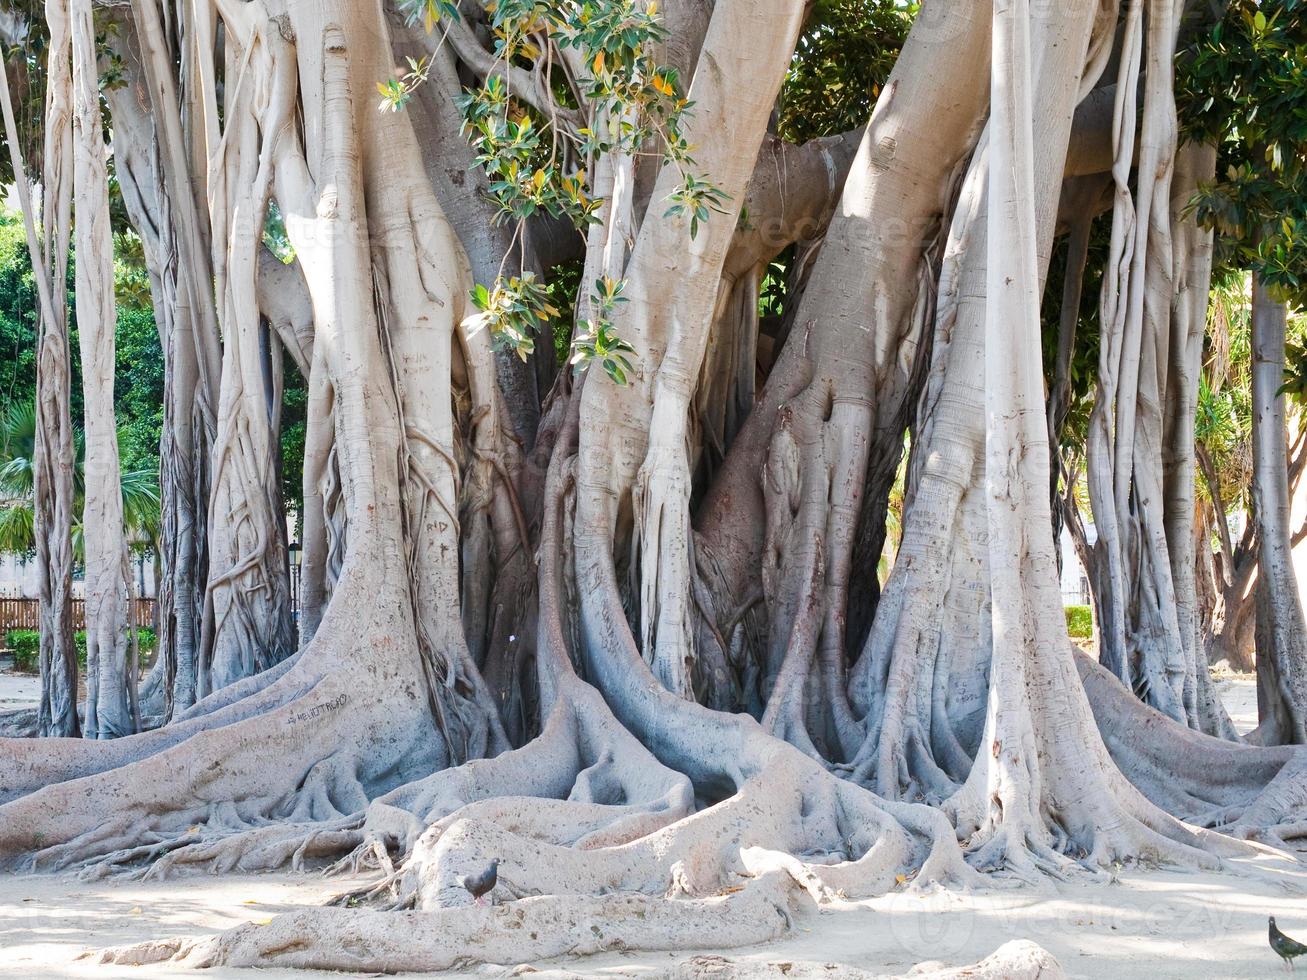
{"x":1194,"y":164}
{"x":111,"y":709}
{"x":53,"y":460}
{"x":1281,"y":632}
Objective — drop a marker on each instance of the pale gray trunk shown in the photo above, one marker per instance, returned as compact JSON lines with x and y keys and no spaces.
{"x":1195,"y":163}
{"x":189,"y":337}
{"x":1281,"y":633}
{"x":111,"y":709}
{"x":53,"y":458}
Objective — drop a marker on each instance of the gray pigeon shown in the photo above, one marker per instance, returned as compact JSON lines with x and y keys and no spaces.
{"x":481,"y":884}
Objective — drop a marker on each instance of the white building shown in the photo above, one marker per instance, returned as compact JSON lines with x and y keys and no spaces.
{"x":18,"y":578}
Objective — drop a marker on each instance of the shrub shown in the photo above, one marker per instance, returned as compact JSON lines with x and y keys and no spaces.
{"x":26,"y":645}
{"x":145,"y":640}
{"x":1080,"y":622}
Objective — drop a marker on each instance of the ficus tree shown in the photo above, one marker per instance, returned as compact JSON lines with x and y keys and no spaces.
{"x":615,"y":623}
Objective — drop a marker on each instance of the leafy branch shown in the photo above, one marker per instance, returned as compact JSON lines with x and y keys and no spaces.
{"x":540,"y":157}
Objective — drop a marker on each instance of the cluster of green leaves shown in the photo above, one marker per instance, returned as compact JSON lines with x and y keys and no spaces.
{"x":843,"y":58}
{"x":1242,"y":85}
{"x":18,"y":304}
{"x":138,"y":382}
{"x":138,"y":392}
{"x":696,"y":198}
{"x":598,"y":339}
{"x":540,"y":162}
{"x":513,"y":310}
{"x":26,"y":648}
{"x":140,"y":488}
{"x":1223,"y":422}
{"x":524,"y":177}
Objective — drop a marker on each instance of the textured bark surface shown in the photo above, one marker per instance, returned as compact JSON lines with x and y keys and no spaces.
{"x":52,"y":464}
{"x":111,"y":708}
{"x":1281,"y":630}
{"x":188,"y":334}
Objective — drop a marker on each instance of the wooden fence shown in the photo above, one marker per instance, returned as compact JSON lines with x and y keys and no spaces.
{"x":21,"y":614}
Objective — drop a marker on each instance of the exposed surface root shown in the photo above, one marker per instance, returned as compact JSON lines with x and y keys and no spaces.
{"x":531,"y":929}
{"x":347,"y":735}
{"x":1243,"y":790}
{"x":34,"y":764}
{"x":18,"y":723}
{"x":1016,"y":960}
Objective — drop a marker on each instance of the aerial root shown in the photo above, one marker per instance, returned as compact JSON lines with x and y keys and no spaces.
{"x":532,"y":929}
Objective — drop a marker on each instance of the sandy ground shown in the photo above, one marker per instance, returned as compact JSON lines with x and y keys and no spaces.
{"x":1239,"y":693}
{"x":18,"y":690}
{"x":1149,"y":925}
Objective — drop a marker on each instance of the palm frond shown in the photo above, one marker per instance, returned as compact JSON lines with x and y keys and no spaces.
{"x":17,"y":529}
{"x":17,"y":449}
{"x":141,"y":512}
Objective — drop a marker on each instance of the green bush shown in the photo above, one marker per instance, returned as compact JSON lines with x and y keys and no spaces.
{"x":145,"y":640}
{"x":26,"y":645}
{"x":1080,"y":622}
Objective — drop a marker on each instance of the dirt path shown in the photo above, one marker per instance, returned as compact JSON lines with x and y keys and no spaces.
{"x":1151,"y":926}
{"x":18,"y":690}
{"x":1238,"y":692}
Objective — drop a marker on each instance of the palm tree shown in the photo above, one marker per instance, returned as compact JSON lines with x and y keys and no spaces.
{"x":140,"y":489}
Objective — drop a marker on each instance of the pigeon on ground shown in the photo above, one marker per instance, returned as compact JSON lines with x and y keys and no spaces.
{"x":1286,"y":948}
{"x":481,"y":884}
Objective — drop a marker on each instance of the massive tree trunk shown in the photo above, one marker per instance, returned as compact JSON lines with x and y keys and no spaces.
{"x":710,"y":706}
{"x":111,"y":669}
